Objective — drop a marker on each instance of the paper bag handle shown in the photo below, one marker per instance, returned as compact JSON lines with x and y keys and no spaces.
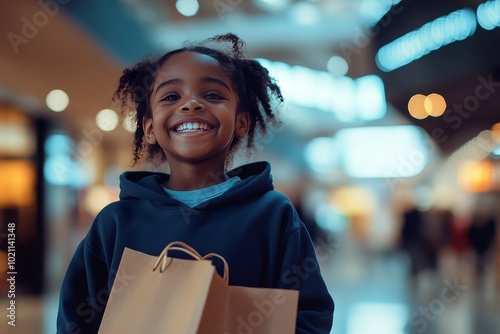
{"x":164,"y":261}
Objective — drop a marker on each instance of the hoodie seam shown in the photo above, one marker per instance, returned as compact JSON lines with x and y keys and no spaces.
{"x":293,"y":230}
{"x":92,"y":252}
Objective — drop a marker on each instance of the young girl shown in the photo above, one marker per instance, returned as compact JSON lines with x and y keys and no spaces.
{"x":193,"y":107}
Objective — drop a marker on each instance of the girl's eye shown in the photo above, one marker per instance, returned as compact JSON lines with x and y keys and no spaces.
{"x":213,"y":96}
{"x":171,"y":97}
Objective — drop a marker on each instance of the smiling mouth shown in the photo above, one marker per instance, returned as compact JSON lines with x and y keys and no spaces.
{"x":193,"y":127}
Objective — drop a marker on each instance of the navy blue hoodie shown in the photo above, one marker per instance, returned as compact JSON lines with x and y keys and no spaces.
{"x":255,"y":228}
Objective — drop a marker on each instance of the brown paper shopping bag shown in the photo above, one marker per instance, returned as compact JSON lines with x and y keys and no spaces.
{"x":170,"y":295}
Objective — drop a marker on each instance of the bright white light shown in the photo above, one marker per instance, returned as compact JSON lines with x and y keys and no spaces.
{"x":304,"y":13}
{"x":57,"y":100}
{"x":337,"y":65}
{"x":340,"y":95}
{"x":445,"y":30}
{"x":321,"y":154}
{"x":488,"y":14}
{"x":371,"y":97}
{"x":187,"y":7}
{"x":366,"y":318}
{"x":383,"y":152}
{"x":107,"y":120}
{"x":272,"y":4}
{"x":374,"y":10}
{"x":306,"y":89}
{"x":129,"y":123}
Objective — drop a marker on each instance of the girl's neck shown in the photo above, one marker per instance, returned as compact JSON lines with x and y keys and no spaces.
{"x":188,"y":176}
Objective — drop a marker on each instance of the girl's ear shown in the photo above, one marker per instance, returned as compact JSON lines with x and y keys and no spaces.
{"x":147,"y":127}
{"x":242,"y":124}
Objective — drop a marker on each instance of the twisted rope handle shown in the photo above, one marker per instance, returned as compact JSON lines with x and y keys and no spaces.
{"x":225,"y":277}
{"x":164,"y":261}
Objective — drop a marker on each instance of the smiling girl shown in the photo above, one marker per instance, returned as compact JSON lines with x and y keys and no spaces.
{"x":193,"y":106}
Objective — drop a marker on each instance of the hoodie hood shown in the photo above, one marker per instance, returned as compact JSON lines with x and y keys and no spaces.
{"x":255,"y":178}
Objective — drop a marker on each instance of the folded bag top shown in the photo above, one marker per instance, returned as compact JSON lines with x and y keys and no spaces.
{"x":164,"y":261}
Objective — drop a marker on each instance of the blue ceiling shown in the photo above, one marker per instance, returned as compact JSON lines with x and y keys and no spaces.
{"x":113,"y":26}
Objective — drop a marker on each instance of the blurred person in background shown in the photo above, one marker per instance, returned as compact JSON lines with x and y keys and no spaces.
{"x":412,"y":240}
{"x":481,"y":234}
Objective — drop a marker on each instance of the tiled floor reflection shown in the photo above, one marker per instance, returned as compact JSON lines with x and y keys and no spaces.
{"x":372,"y":293}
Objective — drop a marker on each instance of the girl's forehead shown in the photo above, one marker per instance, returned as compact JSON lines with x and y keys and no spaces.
{"x":189,"y":61}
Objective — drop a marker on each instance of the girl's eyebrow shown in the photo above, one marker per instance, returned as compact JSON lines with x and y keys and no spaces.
{"x":204,"y":80}
{"x":215,"y":80}
{"x":168,"y":82}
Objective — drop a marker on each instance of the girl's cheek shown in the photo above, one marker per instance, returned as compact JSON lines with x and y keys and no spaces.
{"x":162,"y":116}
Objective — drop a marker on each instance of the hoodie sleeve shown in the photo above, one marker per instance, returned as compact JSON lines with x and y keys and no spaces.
{"x":84,"y":293}
{"x":300,"y":271}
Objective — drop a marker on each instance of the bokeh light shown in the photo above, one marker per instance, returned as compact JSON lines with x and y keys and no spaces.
{"x":129,"y":123}
{"x":488,"y":14}
{"x":453,"y":27}
{"x":495,"y":129}
{"x":476,"y":176}
{"x":434,"y":105}
{"x":187,"y":7}
{"x":57,"y":100}
{"x":337,"y":65}
{"x":107,"y":120}
{"x":416,"y":106}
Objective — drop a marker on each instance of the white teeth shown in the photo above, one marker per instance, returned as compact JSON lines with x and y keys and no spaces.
{"x":196,"y":126}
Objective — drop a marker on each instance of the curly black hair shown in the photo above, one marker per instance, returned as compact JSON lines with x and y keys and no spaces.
{"x":255,"y":88}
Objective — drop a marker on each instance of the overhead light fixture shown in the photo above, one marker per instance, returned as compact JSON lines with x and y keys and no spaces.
{"x":488,"y":14}
{"x":447,"y":29}
{"x":374,"y":10}
{"x":361,"y":99}
{"x":383,"y":152}
{"x":107,"y":120}
{"x":337,"y":65}
{"x":57,"y":100}
{"x":187,"y":7}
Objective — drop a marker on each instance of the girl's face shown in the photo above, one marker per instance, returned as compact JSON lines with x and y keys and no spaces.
{"x":193,"y":104}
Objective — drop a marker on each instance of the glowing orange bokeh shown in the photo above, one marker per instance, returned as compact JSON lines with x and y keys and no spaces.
{"x":434,"y":105}
{"x":416,"y":106}
{"x":421,"y":106}
{"x":476,"y":176}
{"x":17,"y":183}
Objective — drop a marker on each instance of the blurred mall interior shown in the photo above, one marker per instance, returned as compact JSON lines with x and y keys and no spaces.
{"x":390,"y":148}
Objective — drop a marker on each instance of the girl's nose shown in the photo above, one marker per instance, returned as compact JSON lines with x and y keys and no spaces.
{"x":192,"y":105}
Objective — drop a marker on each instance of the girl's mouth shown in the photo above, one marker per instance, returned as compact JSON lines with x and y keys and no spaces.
{"x":193,"y":127}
